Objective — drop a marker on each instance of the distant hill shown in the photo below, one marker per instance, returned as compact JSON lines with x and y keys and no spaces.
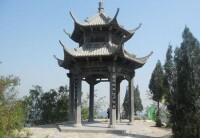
{"x":103,"y":113}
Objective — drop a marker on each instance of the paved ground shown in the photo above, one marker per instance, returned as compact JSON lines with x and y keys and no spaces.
{"x":99,"y":129}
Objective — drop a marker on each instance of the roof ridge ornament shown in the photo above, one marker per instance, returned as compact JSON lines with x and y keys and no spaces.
{"x":101,"y":7}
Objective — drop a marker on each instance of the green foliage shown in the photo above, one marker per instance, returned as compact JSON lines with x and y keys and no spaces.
{"x":137,"y":101}
{"x":84,"y":109}
{"x":98,"y":104}
{"x":62,"y":104}
{"x":182,"y":80}
{"x":33,"y":105}
{"x":126,"y":104}
{"x":156,"y":85}
{"x":46,"y":107}
{"x":138,"y":107}
{"x":11,"y":110}
{"x":52,"y":106}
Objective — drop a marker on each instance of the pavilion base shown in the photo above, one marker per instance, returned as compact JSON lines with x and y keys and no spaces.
{"x":77,"y":125}
{"x":118,"y":121}
{"x":139,"y":129}
{"x":130,"y":123}
{"x":91,"y":120}
{"x":112,"y":126}
{"x":70,"y":122}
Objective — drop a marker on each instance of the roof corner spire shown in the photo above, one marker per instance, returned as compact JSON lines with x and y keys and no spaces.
{"x":101,"y":7}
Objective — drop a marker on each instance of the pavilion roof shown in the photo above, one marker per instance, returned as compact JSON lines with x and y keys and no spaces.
{"x":100,"y":19}
{"x":100,"y":49}
{"x":103,"y":49}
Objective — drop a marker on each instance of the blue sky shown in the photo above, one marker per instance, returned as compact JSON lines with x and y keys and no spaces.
{"x":30,"y":31}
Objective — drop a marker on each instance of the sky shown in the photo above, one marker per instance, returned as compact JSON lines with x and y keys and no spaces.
{"x":30,"y":31}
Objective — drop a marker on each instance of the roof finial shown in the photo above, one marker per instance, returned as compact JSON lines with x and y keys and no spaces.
{"x":101,"y":7}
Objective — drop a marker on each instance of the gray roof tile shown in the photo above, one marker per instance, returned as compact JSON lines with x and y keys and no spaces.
{"x":98,"y":19}
{"x":95,"y":49}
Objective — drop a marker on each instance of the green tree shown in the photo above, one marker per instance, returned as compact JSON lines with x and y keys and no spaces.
{"x":137,"y":101}
{"x":62,"y":104}
{"x":169,"y":83}
{"x":34,"y":105}
{"x":98,"y":104}
{"x":169,"y":73}
{"x":156,"y":86}
{"x":47,"y":107}
{"x":126,"y":104}
{"x":11,"y":110}
{"x":186,"y":108}
{"x":84,"y":109}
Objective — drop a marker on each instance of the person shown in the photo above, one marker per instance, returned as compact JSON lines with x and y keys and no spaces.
{"x":108,"y":112}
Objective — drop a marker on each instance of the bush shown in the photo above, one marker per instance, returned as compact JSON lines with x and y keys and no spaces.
{"x":12,"y":114}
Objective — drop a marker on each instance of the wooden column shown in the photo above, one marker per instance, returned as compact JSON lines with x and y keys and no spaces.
{"x":78,"y":85}
{"x":112,"y":98}
{"x":71,"y":98}
{"x":91,"y":103}
{"x":131,"y":100}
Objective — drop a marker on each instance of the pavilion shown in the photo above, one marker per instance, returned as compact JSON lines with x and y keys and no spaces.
{"x":100,"y":57}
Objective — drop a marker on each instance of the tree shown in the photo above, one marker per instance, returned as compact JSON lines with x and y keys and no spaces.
{"x":47,"y":107}
{"x":169,"y":83}
{"x":11,"y":110}
{"x":137,"y":101}
{"x":62,"y":104}
{"x":156,"y":86}
{"x":34,"y":105}
{"x":98,"y":104}
{"x":84,"y":109}
{"x":184,"y":116}
{"x":126,"y":104}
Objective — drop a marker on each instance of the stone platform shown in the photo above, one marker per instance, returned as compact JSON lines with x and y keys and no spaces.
{"x":140,"y":128}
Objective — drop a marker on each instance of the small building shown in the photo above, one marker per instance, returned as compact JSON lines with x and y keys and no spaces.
{"x":100,"y":57}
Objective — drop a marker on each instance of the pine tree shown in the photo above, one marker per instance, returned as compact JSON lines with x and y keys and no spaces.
{"x":156,"y":86}
{"x":137,"y":101}
{"x":169,"y":84}
{"x":186,"y":59}
{"x":126,"y":104}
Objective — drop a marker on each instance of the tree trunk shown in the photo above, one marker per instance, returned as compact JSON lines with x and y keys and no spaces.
{"x":158,"y":112}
